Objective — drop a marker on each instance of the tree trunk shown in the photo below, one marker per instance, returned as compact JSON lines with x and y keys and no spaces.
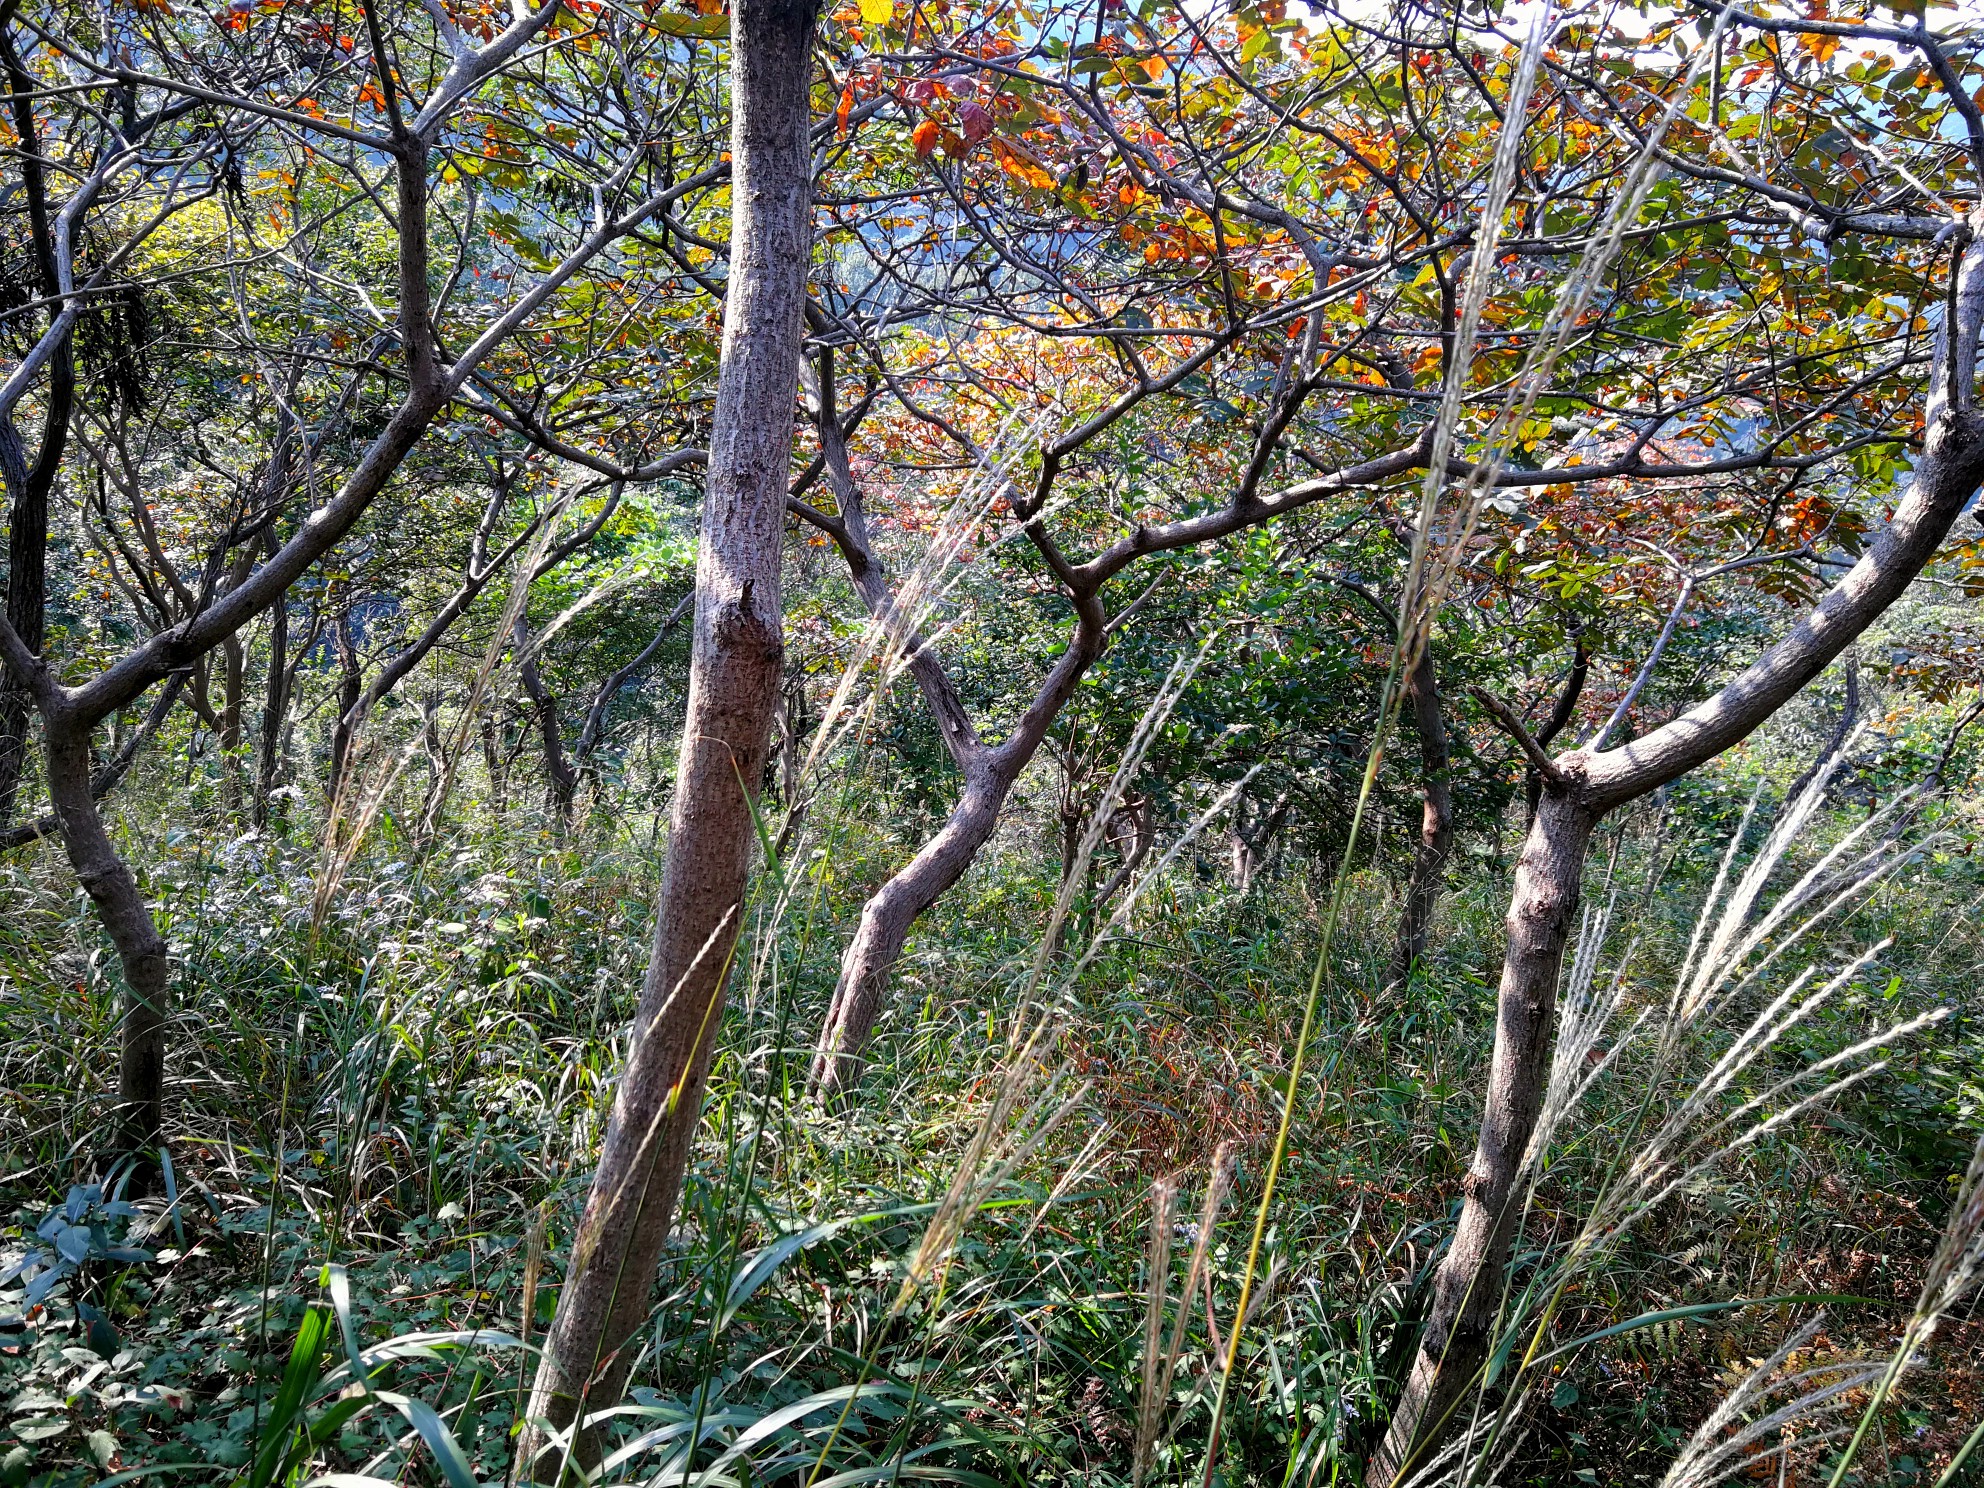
{"x":561,"y":778}
{"x":1250,"y":840}
{"x":886,"y":920}
{"x":234,"y":676}
{"x":140,"y":948}
{"x":492,"y":761}
{"x":28,"y":487}
{"x":594,"y":730}
{"x":351,"y":680}
{"x":1436,"y":820}
{"x":1467,"y":1293}
{"x":734,"y":674}
{"x":1139,"y":820}
{"x":274,"y":706}
{"x":27,"y":568}
{"x":107,"y":775}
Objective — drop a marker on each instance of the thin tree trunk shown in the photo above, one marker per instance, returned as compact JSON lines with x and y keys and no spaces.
{"x":1142,"y":838}
{"x":1436,"y":820}
{"x":274,"y":706}
{"x":234,"y":676}
{"x":1467,"y":1292}
{"x":492,"y":762}
{"x":107,"y":775}
{"x":140,"y":948}
{"x":594,"y":730}
{"x":734,"y":671}
{"x":27,"y":560}
{"x":1849,"y":715}
{"x":28,"y":487}
{"x":351,"y":683}
{"x":561,"y":778}
{"x":886,"y":920}
{"x":1250,"y":843}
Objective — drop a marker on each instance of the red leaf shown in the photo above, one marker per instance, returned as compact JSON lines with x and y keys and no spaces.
{"x":975,"y":121}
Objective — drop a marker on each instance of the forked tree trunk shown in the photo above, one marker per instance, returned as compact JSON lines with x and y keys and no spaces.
{"x":734,"y":671}
{"x":1560,"y":716}
{"x":1579,"y":788}
{"x":1436,"y":820}
{"x":989,"y":773}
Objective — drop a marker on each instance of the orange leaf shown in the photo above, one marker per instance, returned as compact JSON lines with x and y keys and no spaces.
{"x":924,"y":137}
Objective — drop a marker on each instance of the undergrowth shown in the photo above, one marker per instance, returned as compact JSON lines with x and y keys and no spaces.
{"x":382,"y":1128}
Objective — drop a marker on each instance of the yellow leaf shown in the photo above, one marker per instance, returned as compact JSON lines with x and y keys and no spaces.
{"x":878,"y":12}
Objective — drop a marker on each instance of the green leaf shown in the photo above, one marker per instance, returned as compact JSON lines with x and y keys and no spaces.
{"x":306,"y":1362}
{"x":764,"y":1264}
{"x":707,"y":27}
{"x":448,"y":1455}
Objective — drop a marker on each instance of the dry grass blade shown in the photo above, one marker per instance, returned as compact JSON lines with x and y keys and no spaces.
{"x":1150,"y":1401}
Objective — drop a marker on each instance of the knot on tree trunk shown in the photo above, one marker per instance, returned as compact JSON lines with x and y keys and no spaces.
{"x":741,"y":629}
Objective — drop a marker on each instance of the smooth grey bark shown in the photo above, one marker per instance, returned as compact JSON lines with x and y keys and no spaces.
{"x":1579,"y":788}
{"x":735,"y":664}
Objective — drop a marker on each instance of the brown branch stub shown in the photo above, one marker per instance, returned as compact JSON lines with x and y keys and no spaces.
{"x":1511,"y":725}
